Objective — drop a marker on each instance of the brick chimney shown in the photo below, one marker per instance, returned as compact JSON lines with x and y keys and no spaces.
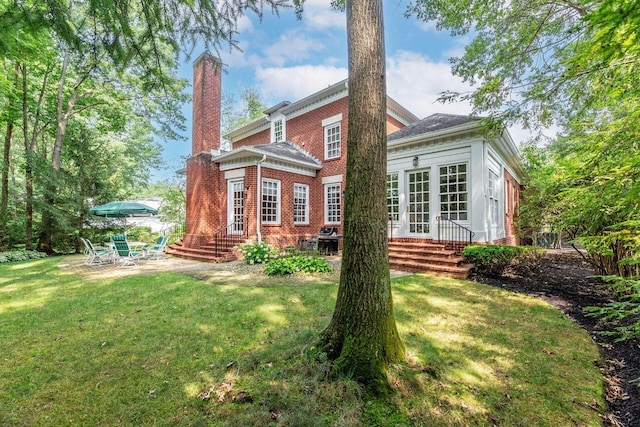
{"x":207,"y":92}
{"x":204,"y":204}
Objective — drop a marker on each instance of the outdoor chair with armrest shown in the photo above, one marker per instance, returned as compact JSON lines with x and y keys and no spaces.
{"x":156,"y":250}
{"x":127,"y":257}
{"x":96,"y":255}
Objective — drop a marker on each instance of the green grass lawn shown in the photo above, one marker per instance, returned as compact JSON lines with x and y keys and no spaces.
{"x":167,"y":349}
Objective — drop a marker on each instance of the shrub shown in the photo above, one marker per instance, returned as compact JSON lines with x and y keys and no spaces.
{"x":624,"y":313}
{"x":20,"y":255}
{"x":257,"y":253}
{"x":290,"y":265}
{"x":491,"y":259}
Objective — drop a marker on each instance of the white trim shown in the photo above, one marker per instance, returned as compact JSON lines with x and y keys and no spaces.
{"x":235,"y":173}
{"x":332,"y":179}
{"x":278,"y":201}
{"x":306,"y":203}
{"x":331,"y":120}
{"x":283,"y":120}
{"x":338,"y":149}
{"x":326,"y":202}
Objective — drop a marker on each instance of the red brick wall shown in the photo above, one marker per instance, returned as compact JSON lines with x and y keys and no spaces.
{"x":207,"y":187}
{"x":206,"y":104}
{"x":393,"y":125}
{"x":204,"y":194}
{"x":206,"y":200}
{"x":263,"y":137}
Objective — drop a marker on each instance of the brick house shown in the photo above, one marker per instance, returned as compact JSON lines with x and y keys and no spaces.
{"x":284,"y":176}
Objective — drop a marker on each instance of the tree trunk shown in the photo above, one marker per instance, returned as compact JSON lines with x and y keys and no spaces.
{"x":6,"y":160}
{"x":62,"y":120}
{"x":28,"y":171}
{"x":362,"y":336}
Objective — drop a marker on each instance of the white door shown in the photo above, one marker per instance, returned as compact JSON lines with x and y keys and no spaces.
{"x":418,"y":201}
{"x":235,"y":203}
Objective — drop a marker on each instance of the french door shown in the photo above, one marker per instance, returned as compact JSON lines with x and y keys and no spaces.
{"x":418,"y":201}
{"x":236,"y":206}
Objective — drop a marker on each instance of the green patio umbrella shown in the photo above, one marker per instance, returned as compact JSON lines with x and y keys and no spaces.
{"x":123,"y":209}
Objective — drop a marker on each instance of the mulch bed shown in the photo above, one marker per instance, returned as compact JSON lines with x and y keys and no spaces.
{"x":565,"y":280}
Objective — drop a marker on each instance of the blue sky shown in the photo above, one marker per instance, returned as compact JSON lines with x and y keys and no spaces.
{"x":286,"y":59}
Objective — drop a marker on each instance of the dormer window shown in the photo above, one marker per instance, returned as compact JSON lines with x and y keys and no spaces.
{"x":278,"y":131}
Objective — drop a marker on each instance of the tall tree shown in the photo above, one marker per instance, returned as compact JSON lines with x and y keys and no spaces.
{"x":362,"y":336}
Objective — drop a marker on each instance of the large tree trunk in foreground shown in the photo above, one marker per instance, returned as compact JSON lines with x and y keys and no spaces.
{"x":362,"y":337}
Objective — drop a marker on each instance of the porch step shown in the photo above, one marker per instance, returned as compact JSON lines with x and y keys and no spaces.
{"x":426,"y":257}
{"x":199,"y":254}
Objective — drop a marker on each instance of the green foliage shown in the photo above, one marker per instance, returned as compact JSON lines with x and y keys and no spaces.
{"x":616,"y":251}
{"x":624,"y":313}
{"x":257,"y":253}
{"x":11,"y":256}
{"x":293,"y":264}
{"x":491,"y":259}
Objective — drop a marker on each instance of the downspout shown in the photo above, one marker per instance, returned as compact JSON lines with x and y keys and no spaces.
{"x":258,"y":198}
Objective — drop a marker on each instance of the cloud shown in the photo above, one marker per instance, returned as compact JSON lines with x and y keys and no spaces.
{"x":294,"y":83}
{"x":293,"y":45}
{"x":318,"y":15}
{"x":416,"y":82}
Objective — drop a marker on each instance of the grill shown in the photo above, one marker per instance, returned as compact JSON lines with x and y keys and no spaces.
{"x":328,"y":240}
{"x":325,"y":242}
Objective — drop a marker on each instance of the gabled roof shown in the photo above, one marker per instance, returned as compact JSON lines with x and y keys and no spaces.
{"x":286,"y":152}
{"x":433,"y":123}
{"x":316,"y":100}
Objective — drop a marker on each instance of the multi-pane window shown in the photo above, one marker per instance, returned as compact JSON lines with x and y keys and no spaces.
{"x":393,"y":199}
{"x":300,"y":204}
{"x":493,"y":197}
{"x":278,"y":131}
{"x":270,"y":201}
{"x":332,"y":141}
{"x":332,"y":203}
{"x":418,"y":201}
{"x":454,"y":194}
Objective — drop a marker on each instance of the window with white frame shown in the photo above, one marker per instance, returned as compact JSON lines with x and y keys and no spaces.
{"x":332,"y":203}
{"x":454,"y":193}
{"x":393,"y":198}
{"x":493,"y":197}
{"x":300,"y":204}
{"x":332,"y":149}
{"x":270,"y":201}
{"x":278,"y":131}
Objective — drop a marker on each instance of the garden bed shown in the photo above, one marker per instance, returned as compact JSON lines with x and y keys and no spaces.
{"x":566,"y":281}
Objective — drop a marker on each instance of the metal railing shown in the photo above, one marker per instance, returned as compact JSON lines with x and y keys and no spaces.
{"x":229,"y":236}
{"x":453,"y":234}
{"x":175,"y":232}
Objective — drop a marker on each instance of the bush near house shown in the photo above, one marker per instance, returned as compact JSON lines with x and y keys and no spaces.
{"x":290,"y":265}
{"x":494,"y":259}
{"x":257,"y":253}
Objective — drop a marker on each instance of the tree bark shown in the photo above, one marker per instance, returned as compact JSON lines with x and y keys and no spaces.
{"x":28,"y":171}
{"x":362,"y":336}
{"x":63,"y":114}
{"x":6,"y":160}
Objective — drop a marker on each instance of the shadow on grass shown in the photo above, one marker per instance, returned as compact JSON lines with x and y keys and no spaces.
{"x":147,"y":349}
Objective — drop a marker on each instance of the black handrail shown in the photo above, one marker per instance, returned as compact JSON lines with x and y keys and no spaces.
{"x":450,"y":231}
{"x":174,"y":231}
{"x":228,"y":236}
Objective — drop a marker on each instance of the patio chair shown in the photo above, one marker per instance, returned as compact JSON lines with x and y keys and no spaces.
{"x":96,"y":255}
{"x":126,"y":256}
{"x":156,"y":250}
